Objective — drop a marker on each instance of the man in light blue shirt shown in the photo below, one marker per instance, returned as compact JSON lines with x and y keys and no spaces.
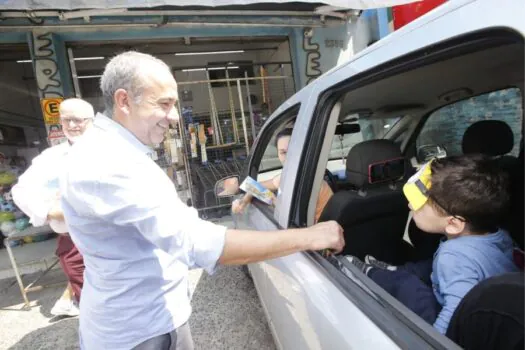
{"x":137,"y":238}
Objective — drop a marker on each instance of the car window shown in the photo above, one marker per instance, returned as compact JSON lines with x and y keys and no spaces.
{"x":265,"y":165}
{"x":270,"y":160}
{"x":364,"y":129}
{"x":446,"y":126}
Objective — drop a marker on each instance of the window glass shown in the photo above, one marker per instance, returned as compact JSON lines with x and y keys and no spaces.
{"x":370,"y":129}
{"x":446,"y":126}
{"x":270,"y":161}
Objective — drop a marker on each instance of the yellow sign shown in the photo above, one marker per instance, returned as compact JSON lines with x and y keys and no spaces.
{"x":50,"y":109}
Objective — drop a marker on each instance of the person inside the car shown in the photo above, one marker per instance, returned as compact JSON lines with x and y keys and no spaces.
{"x":282,"y":140}
{"x":464,"y":198}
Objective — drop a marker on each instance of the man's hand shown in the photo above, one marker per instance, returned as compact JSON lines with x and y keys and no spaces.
{"x":326,"y":235}
{"x":55,"y":212}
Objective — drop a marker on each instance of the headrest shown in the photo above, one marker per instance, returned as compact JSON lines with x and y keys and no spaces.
{"x":371,"y":159}
{"x":488,"y":137}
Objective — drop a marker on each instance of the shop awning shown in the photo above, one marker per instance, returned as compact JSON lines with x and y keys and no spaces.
{"x":203,"y":4}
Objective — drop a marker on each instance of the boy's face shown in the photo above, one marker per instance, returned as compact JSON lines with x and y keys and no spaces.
{"x":429,"y":219}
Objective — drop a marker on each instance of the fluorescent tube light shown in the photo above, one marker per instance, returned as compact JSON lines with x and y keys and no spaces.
{"x":207,"y":53}
{"x":89,"y":76}
{"x":89,"y":58}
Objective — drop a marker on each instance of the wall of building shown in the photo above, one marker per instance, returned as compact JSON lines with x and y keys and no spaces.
{"x":311,"y":56}
{"x":321,"y":49}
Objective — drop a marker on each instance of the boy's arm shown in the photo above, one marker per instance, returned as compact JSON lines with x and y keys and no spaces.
{"x":456,"y":277}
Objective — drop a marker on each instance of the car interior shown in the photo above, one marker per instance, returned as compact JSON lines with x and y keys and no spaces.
{"x":475,"y":102}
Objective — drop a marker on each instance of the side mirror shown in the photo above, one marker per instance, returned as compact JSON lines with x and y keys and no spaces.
{"x":427,"y":152}
{"x":227,"y":187}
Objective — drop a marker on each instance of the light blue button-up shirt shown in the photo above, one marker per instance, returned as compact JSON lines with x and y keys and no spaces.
{"x":137,"y":238}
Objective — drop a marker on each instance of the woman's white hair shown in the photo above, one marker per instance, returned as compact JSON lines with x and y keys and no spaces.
{"x":127,"y":71}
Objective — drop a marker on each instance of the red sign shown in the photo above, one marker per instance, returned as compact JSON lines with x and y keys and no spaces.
{"x":404,"y":14}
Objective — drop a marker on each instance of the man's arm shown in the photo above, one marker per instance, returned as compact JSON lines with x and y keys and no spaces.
{"x":160,"y":216}
{"x":243,"y":247}
{"x":32,"y":195}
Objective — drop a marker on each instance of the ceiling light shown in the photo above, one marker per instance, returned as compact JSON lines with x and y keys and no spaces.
{"x":194,"y":70}
{"x":222,"y":68}
{"x":89,"y":76}
{"x":386,"y":126}
{"x":207,"y":53}
{"x":24,"y":61}
{"x":89,"y":58}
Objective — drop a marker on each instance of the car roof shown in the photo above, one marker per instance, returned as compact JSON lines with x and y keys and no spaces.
{"x":387,"y":48}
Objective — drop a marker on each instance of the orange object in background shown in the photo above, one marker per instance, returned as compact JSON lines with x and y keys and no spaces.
{"x":404,"y":14}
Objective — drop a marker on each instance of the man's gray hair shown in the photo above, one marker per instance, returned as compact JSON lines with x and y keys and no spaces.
{"x":127,"y":71}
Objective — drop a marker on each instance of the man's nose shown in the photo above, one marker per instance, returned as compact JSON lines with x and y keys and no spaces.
{"x":173,"y":115}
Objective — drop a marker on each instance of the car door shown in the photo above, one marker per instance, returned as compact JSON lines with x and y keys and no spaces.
{"x":263,"y":165}
{"x":305,"y":309}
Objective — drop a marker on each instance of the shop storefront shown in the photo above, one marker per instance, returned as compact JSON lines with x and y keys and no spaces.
{"x":234,"y":65}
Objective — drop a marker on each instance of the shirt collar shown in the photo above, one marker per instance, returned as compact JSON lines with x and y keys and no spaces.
{"x":110,"y":125}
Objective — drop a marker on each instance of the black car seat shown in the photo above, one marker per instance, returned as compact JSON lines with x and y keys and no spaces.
{"x":491,"y":315}
{"x":495,"y":138}
{"x":492,"y":138}
{"x":373,"y":216}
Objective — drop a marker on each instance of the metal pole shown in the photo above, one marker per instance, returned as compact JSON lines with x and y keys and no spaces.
{"x":250,"y":107}
{"x":243,"y":118}
{"x":284,"y":85}
{"x":17,"y":273}
{"x":217,"y":135}
{"x":74,"y":75}
{"x":232,"y":109}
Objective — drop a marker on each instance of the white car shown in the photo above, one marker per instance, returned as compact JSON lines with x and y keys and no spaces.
{"x":422,"y":88}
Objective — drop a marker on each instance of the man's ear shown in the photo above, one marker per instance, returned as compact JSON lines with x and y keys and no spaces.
{"x":122,"y":101}
{"x":455,"y":225}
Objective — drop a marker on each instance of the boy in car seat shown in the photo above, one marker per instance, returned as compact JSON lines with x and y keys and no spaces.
{"x":464,"y":198}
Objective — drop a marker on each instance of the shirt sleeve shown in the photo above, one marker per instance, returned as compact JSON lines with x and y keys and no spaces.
{"x":455,"y":278}
{"x":148,"y":201}
{"x":32,"y":193}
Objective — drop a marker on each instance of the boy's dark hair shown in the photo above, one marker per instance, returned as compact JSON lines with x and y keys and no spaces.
{"x":283,"y":133}
{"x":472,"y":187}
